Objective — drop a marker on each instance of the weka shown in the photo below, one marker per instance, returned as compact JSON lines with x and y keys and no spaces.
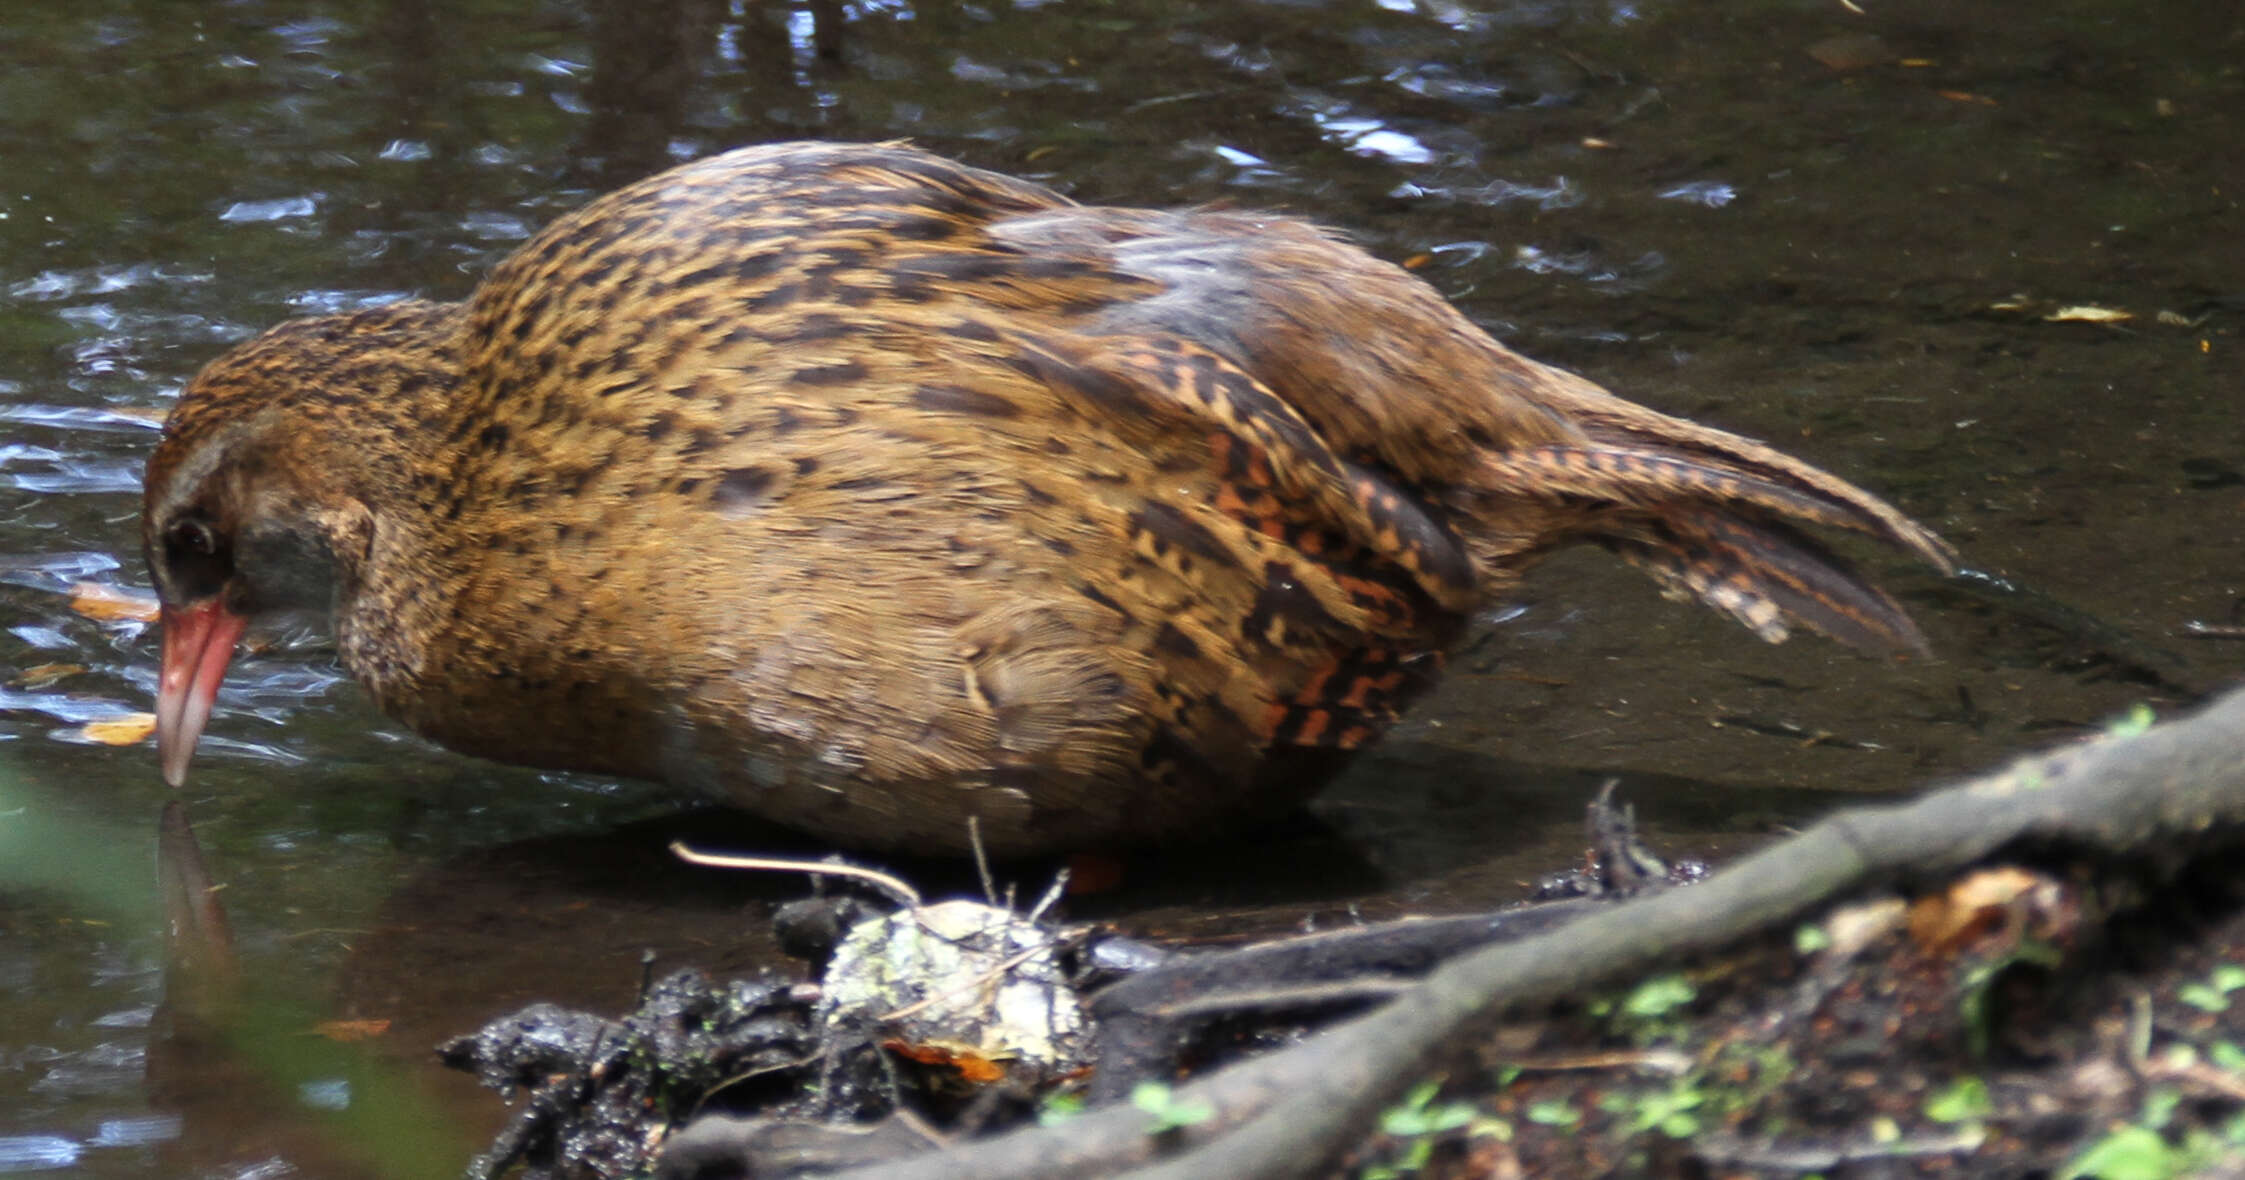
{"x":872,"y":492}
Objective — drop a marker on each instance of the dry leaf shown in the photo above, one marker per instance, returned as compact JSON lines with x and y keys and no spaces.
{"x":1851,"y":51}
{"x":349,"y":1031}
{"x":970,"y":1062}
{"x":1941,"y":922}
{"x":2087,"y":313}
{"x":1967,"y":96}
{"x":127,"y":730}
{"x":42,"y":675}
{"x":110,"y":604}
{"x":1855,"y":927}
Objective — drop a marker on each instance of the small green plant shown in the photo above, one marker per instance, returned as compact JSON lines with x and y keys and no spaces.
{"x":1169,"y":1111}
{"x":1417,"y":1122}
{"x":1416,"y":1116}
{"x":2160,"y":1105}
{"x":1552,"y":1112}
{"x":1961,"y":1101}
{"x":1668,"y":1111}
{"x":1649,"y":1012}
{"x":1059,"y":1107}
{"x":2135,"y":1152}
{"x":1658,"y":996}
{"x":2143,"y":1150}
{"x":2213,"y":995}
{"x":1973,"y":1009}
{"x":2135,"y":721}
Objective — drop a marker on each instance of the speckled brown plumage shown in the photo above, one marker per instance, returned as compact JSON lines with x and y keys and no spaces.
{"x":873,"y":492}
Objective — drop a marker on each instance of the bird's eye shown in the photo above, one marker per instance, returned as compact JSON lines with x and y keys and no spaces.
{"x":192,"y":537}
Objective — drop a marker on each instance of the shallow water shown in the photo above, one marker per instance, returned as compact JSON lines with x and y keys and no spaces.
{"x":1853,"y":236}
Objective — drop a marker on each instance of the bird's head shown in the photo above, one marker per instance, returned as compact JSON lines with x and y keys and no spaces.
{"x":257,"y":498}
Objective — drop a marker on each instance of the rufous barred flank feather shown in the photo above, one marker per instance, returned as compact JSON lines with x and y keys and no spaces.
{"x":872,"y":492}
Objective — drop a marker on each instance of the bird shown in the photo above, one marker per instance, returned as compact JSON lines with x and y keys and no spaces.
{"x":886,"y":498}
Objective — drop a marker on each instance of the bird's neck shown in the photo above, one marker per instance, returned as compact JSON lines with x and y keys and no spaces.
{"x":393,"y":380}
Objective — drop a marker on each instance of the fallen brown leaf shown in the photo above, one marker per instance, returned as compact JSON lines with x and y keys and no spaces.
{"x":1851,"y":51}
{"x":110,"y":604}
{"x":349,"y":1031}
{"x":42,"y":675}
{"x":972,"y":1065}
{"x":127,"y":730}
{"x":1941,"y":922}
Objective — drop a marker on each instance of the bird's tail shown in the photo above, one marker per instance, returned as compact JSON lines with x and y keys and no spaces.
{"x":1710,"y":516}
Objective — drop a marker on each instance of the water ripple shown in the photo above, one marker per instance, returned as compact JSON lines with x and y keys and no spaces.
{"x":1712,"y":193}
{"x":50,"y":285}
{"x":53,"y":571}
{"x":278,"y":209}
{"x":69,"y":708}
{"x":78,"y":476}
{"x":37,"y":1153}
{"x":1559,"y":194}
{"x":137,"y":1132}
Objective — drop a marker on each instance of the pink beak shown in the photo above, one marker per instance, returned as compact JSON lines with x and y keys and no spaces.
{"x":198,"y":643}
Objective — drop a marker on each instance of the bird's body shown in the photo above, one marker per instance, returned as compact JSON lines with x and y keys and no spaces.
{"x":872,"y":492}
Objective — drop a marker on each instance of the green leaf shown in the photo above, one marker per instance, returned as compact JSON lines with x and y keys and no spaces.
{"x":1551,"y":1112}
{"x":1659,"y":996}
{"x":1169,"y":1111}
{"x":1413,"y":1116}
{"x":2135,"y":721}
{"x":2130,"y":1153}
{"x":1060,"y":1107}
{"x":2159,"y":1106}
{"x":1962,"y":1100}
{"x":2203,"y":997}
{"x":1501,"y":1129}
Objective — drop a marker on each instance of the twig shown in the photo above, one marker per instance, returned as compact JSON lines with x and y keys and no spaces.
{"x":1809,"y":1157}
{"x":895,"y":887}
{"x":982,"y":860}
{"x":1660,"y":1061}
{"x":1053,"y":894}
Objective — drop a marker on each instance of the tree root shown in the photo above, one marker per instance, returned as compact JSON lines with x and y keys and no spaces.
{"x":2150,"y":800}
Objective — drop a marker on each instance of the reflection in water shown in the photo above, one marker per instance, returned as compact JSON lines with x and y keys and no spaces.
{"x":170,"y":189}
{"x":233,"y":1060}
